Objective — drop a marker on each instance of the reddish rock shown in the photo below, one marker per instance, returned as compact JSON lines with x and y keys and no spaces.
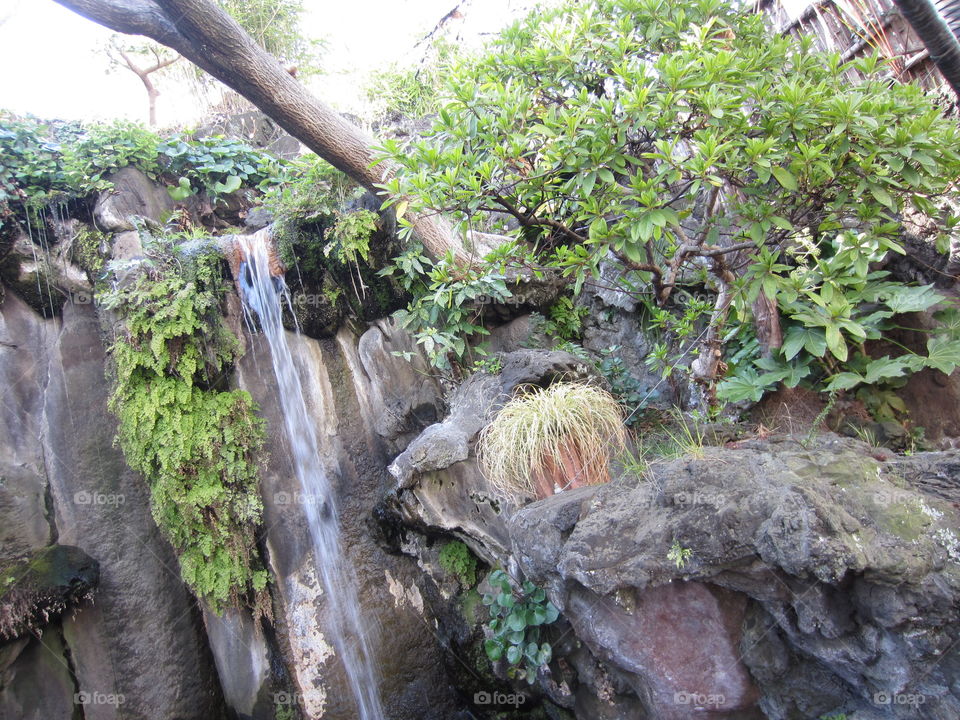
{"x":682,"y":640}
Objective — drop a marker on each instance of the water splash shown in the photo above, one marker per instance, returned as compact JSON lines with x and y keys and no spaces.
{"x":263,"y":295}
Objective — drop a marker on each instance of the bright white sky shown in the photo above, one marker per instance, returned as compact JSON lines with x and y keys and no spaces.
{"x":53,"y":66}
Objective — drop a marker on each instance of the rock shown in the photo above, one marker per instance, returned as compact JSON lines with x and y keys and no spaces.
{"x":133,"y":195}
{"x":127,"y":246}
{"x":808,"y":569}
{"x":37,"y":684}
{"x":42,"y":586}
{"x":472,"y":406}
{"x":55,"y":427}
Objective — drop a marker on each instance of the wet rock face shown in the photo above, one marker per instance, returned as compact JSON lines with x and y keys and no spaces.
{"x":43,"y":586}
{"x":817,"y":581}
{"x":65,"y":482}
{"x":133,"y":195}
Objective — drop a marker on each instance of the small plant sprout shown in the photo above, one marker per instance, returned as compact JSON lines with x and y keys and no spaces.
{"x":679,"y":554}
{"x":548,"y":439}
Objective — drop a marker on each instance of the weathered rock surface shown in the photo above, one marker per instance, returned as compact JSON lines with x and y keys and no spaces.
{"x":364,"y":402}
{"x":40,"y":587}
{"x":143,"y":638}
{"x":818,"y":580}
{"x":133,"y":195}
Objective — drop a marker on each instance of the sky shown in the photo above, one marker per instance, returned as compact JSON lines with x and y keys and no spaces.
{"x":54,"y":65}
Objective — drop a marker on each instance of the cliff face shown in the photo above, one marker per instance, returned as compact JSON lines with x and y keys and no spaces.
{"x":140,"y":648}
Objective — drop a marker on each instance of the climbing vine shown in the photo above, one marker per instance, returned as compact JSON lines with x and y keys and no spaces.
{"x":194,"y":441}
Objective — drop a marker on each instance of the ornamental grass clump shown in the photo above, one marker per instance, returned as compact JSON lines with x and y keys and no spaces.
{"x":547,"y":440}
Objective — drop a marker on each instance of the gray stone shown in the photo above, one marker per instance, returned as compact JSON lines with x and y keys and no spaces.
{"x":55,"y":427}
{"x":847,"y":581}
{"x":133,"y":195}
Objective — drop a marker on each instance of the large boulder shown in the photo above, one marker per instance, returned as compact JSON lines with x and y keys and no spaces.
{"x":133,"y":195}
{"x":817,"y":580}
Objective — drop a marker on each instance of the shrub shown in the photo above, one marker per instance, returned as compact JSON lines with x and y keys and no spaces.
{"x":689,"y":149}
{"x":558,"y":436}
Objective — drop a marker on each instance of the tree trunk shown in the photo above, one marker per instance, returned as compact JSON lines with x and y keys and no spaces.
{"x":940,"y":42}
{"x":206,"y":35}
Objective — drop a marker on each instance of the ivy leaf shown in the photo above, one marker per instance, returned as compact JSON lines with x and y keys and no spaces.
{"x":494,"y":649}
{"x":514,"y":654}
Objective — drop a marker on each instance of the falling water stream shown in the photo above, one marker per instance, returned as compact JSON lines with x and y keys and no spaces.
{"x":264,"y":295}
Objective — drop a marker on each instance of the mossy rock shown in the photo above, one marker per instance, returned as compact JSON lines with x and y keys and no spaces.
{"x":36,"y":589}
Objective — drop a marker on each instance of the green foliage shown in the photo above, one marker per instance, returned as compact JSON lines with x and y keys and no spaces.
{"x":628,"y":391}
{"x":679,"y":554}
{"x":196,"y":444}
{"x":449,"y":301}
{"x":311,"y":192}
{"x":565,"y":319}
{"x":413,"y":92}
{"x":687,"y":143}
{"x":275,"y":26}
{"x":492,"y":364}
{"x":216,"y":165}
{"x":43,"y":162}
{"x":832,"y":304}
{"x":517,"y":615}
{"x":456,"y":559}
{"x":350,"y":236}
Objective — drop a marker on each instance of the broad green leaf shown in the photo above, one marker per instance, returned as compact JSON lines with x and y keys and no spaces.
{"x":844,"y":381}
{"x":943,"y":354}
{"x":784,"y":177}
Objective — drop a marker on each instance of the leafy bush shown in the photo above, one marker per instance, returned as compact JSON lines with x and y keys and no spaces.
{"x":196,"y":444}
{"x":217,"y":165}
{"x":698,"y":152}
{"x":456,"y":559}
{"x":542,"y":433}
{"x":42,"y":162}
{"x":449,"y":302}
{"x":516,"y":618}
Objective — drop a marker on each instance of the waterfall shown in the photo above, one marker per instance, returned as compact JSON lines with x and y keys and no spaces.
{"x":263,"y":295}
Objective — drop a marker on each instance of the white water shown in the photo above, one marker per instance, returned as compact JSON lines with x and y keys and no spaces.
{"x":264,"y":296}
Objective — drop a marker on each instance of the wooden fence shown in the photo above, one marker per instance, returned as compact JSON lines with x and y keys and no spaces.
{"x":855,"y":27}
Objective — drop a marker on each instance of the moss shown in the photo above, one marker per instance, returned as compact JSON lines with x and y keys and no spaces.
{"x":456,"y":559}
{"x":196,"y":444}
{"x":42,"y":585}
{"x":90,"y":250}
